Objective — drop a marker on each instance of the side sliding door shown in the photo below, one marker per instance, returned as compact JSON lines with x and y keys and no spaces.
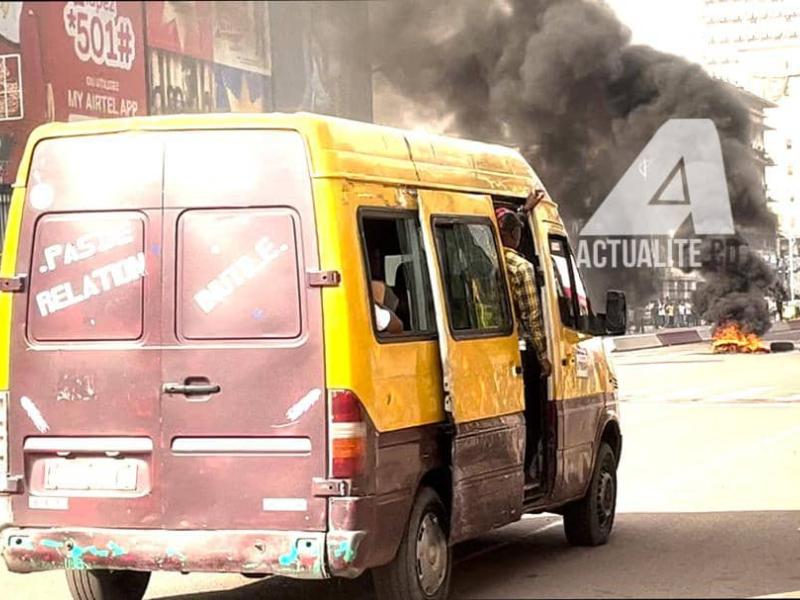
{"x":480,"y":360}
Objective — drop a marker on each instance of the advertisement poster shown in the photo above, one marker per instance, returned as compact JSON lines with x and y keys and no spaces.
{"x":240,"y":91}
{"x":93,"y":59}
{"x":179,"y":84}
{"x":14,"y":128}
{"x":241,"y":37}
{"x":181,"y":28}
{"x":10,"y":87}
{"x":208,"y":57}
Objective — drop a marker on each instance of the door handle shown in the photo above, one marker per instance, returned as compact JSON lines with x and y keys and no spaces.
{"x":568,"y":358}
{"x":199,"y":388}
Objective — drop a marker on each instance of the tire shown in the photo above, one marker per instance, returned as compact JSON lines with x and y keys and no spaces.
{"x":588,"y":522}
{"x":409,"y":576}
{"x":107,"y":585}
{"x":782,"y":346}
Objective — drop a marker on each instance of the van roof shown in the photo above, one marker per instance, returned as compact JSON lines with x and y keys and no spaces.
{"x":345,"y":148}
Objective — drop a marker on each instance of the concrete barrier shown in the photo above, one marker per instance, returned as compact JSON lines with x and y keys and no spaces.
{"x":690,"y":335}
{"x":781,"y":327}
{"x":679,"y":336}
{"x":636,"y":342}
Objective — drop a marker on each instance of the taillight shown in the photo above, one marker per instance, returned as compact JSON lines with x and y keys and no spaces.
{"x":348,"y":435}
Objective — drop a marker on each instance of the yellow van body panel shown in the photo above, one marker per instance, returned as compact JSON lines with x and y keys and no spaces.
{"x":399,"y":383}
{"x":481,"y":371}
{"x":7,"y":269}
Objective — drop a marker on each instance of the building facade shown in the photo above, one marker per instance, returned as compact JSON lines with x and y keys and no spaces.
{"x":755,"y":44}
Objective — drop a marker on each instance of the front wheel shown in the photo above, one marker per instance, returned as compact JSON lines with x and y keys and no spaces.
{"x":421,"y":568}
{"x":588,"y":521}
{"x":107,"y":585}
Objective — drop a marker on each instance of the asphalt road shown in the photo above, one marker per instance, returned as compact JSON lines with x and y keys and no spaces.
{"x":709,"y":501}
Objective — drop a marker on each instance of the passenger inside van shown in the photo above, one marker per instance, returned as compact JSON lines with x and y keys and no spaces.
{"x":397,"y":274}
{"x":384,"y":301}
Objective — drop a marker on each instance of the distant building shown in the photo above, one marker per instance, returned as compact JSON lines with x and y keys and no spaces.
{"x":755,"y":44}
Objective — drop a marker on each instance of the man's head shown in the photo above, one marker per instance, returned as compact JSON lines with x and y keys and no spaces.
{"x":510,"y":227}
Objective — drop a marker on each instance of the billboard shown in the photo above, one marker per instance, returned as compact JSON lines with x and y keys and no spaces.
{"x":208,"y":57}
{"x":94,"y":59}
{"x":67,"y":61}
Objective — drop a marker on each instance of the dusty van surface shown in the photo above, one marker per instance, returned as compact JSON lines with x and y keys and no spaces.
{"x":197,"y":376}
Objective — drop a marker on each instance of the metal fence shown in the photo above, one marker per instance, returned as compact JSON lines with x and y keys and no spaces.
{"x":5,"y":203}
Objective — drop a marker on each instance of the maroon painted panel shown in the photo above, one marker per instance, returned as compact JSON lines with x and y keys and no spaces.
{"x":81,"y":386}
{"x":237,"y":274}
{"x":488,"y":475}
{"x":103,"y":172}
{"x":239,"y":456}
{"x":256,"y":445}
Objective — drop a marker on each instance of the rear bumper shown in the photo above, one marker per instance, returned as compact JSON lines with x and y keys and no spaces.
{"x":298,"y":554}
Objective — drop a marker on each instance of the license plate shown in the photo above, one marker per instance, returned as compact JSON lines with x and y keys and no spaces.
{"x":89,"y":474}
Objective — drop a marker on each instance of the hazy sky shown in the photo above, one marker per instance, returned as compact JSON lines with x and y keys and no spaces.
{"x":674,"y":26}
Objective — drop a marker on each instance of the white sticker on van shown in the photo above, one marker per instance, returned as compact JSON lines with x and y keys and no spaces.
{"x":99,"y":281}
{"x":284,"y":504}
{"x":583,"y":362}
{"x":42,"y":196}
{"x":239,"y":272}
{"x":301,"y":407}
{"x":86,"y":246}
{"x":34,"y":414}
{"x":48,"y":503}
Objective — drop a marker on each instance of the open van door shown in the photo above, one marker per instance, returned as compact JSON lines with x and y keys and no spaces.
{"x":482,"y":376}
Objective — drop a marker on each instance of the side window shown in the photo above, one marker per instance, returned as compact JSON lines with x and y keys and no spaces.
{"x":398,"y":275}
{"x":474,"y":284}
{"x":582,"y":298}
{"x":561,"y":273}
{"x":87,"y":280}
{"x":573,"y":301}
{"x":238,"y":274}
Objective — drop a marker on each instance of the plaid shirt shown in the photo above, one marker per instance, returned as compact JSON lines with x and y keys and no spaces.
{"x":526,"y":302}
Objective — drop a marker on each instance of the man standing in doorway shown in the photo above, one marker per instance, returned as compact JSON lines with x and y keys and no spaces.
{"x":522,"y":279}
{"x":535,"y":364}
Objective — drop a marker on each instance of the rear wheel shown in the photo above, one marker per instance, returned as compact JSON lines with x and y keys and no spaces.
{"x":588,"y":521}
{"x":421,"y":568}
{"x":107,"y":585}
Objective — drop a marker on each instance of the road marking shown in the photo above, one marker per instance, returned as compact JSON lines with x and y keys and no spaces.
{"x":657,"y":395}
{"x":790,"y":398}
{"x":754,"y":393}
{"x":505,"y":543}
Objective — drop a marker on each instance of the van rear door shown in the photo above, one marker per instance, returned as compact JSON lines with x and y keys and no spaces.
{"x":166,"y":356}
{"x":243,"y":402}
{"x":85,"y":335}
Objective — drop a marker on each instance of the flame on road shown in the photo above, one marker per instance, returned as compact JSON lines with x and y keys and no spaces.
{"x":731,"y":338}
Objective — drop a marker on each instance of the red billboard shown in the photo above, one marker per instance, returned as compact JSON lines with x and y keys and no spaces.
{"x":94,"y":58}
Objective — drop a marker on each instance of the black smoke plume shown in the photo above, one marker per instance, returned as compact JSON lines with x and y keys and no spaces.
{"x":559,"y":80}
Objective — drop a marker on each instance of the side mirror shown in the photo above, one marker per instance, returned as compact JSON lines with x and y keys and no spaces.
{"x":616,"y":313}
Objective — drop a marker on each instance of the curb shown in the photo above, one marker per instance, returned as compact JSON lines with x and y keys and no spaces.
{"x":676,"y":337}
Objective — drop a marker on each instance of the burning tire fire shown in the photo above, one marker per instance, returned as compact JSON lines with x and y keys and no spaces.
{"x":731,"y":338}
